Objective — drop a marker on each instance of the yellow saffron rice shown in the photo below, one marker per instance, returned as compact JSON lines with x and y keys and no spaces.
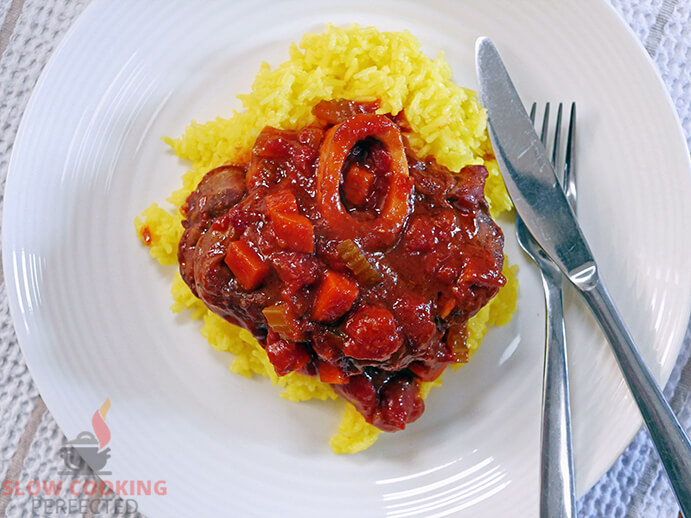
{"x":354,"y":63}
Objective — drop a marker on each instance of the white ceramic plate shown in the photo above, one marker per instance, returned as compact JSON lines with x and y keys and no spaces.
{"x":91,"y":308}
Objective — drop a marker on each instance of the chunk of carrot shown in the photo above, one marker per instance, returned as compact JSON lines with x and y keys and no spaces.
{"x":357,"y":184}
{"x":330,"y":373}
{"x":294,"y":232}
{"x":246,"y":264}
{"x":281,"y":202}
{"x":335,"y":297}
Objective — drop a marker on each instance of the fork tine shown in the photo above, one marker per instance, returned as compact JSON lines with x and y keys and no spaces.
{"x":557,"y":141}
{"x":569,"y":184}
{"x":556,"y":420}
{"x":545,"y":125}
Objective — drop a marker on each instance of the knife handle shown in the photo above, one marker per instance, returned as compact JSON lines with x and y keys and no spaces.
{"x":668,"y":436}
{"x":556,"y":472}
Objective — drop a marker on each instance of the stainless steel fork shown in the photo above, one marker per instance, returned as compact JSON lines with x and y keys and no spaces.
{"x":557,"y":488}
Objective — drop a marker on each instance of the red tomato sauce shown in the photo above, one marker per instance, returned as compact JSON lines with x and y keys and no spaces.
{"x":346,"y":256}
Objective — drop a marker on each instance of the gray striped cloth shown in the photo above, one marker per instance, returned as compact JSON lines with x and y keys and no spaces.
{"x":30,"y":439}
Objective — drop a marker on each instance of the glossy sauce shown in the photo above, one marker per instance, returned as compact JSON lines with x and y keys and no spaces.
{"x":346,"y":256}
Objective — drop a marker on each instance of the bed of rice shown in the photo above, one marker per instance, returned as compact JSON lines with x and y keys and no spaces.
{"x":352,"y":63}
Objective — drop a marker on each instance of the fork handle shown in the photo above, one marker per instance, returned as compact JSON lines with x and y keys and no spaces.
{"x":556,"y":473}
{"x":668,"y":436}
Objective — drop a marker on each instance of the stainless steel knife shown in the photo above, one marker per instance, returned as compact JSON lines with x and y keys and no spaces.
{"x":539,"y":200}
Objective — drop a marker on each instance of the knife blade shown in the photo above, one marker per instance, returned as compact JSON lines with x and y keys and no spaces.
{"x":528,"y":173}
{"x":541,"y":204}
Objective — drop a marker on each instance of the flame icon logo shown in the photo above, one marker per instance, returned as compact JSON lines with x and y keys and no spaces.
{"x":89,"y":447}
{"x":98,"y":422}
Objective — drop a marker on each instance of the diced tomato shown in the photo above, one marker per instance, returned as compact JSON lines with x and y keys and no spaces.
{"x":357,"y":184}
{"x":296,"y":270}
{"x":330,"y":373}
{"x":414,"y":315}
{"x":246,"y":264}
{"x":401,"y":404}
{"x":287,"y":356}
{"x":327,"y":345}
{"x":303,"y":157}
{"x":373,"y":334}
{"x":469,"y":191}
{"x":222,"y":223}
{"x":426,"y":373}
{"x":311,"y":136}
{"x":380,"y":159}
{"x":448,"y":273}
{"x":295,"y":232}
{"x":338,"y":110}
{"x":420,"y":234}
{"x":476,"y":272}
{"x":281,"y":202}
{"x":361,"y":392}
{"x":273,"y":143}
{"x":335,"y":297}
